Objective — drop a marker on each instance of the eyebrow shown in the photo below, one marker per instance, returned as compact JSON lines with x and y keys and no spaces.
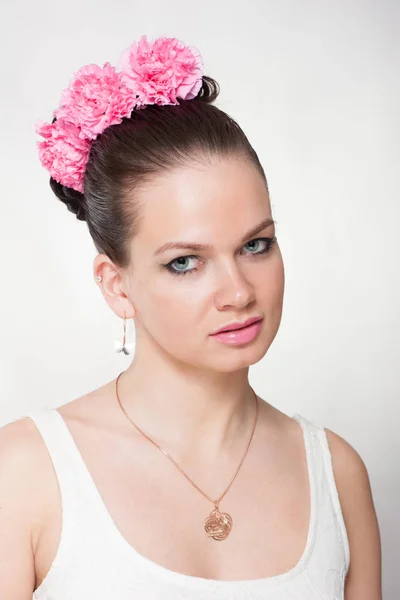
{"x":198,"y":247}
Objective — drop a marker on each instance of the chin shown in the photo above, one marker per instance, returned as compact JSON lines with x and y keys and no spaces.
{"x":232,"y":359}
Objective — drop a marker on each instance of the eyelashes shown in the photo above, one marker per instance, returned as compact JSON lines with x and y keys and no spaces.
{"x":268,"y":242}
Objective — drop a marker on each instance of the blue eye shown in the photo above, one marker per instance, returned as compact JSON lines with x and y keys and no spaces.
{"x":179,"y":261}
{"x":268,"y":244}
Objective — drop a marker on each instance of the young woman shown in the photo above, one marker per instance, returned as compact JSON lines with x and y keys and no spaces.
{"x":175,"y":480}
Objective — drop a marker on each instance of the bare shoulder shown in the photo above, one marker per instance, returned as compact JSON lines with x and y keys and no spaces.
{"x":357,"y":504}
{"x":21,"y":454}
{"x":22,"y":458}
{"x":30,"y":499}
{"x":19,"y":443}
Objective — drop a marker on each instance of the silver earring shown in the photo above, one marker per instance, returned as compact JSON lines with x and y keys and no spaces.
{"x":99,"y":278}
{"x":124,"y":347}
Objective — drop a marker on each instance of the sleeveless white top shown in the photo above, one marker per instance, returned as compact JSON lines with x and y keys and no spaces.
{"x":94,"y":561}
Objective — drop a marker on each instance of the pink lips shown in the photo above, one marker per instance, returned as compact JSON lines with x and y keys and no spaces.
{"x":232,"y":326}
{"x":242,"y":335}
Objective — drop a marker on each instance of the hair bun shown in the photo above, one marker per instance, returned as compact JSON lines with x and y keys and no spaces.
{"x":74,"y":200}
{"x":209,"y":90}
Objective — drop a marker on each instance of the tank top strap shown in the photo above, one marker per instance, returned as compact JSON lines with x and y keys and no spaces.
{"x":79,"y":495}
{"x":328,"y":497}
{"x":58,"y":444}
{"x":312,"y":439}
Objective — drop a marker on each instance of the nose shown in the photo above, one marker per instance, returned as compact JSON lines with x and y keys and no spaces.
{"x":233,"y":289}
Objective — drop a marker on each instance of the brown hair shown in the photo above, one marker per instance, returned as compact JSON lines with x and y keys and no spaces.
{"x":127,"y":156}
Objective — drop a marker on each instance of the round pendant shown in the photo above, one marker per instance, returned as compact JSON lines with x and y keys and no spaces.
{"x":218,"y":525}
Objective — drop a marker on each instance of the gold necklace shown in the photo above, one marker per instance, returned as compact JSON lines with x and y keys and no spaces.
{"x":217,"y":525}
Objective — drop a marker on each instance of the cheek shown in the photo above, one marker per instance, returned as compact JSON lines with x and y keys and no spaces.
{"x":278,"y":279}
{"x":170,"y":304}
{"x":176,"y":318}
{"x":269,"y":289}
{"x":270,"y":285}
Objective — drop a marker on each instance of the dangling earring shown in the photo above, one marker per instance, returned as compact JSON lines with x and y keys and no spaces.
{"x":126,"y":347}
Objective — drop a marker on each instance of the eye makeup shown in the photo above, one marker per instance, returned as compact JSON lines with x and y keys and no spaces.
{"x":268,"y":245}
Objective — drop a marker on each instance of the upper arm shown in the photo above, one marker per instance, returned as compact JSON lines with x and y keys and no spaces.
{"x":17,"y":510}
{"x":364,"y":578}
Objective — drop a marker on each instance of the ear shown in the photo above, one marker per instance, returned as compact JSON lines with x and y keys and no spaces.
{"x":114,"y":285}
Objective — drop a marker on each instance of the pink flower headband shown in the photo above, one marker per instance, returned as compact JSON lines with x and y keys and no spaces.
{"x":97,"y":97}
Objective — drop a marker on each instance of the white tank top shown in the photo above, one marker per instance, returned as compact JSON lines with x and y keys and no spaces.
{"x":94,"y":560}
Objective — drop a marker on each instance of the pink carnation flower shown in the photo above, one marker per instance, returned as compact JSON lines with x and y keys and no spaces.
{"x":95,"y":99}
{"x":63,"y":153}
{"x":162,"y":71}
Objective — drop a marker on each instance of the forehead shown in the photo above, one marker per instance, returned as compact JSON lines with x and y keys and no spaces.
{"x":197,"y":202}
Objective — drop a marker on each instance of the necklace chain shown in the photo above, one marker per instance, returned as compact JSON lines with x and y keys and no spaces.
{"x":215,"y":502}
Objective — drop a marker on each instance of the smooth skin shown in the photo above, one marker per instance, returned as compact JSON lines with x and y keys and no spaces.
{"x":199,"y":407}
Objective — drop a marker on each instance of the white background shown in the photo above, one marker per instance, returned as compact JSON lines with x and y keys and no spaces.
{"x":315,"y":86}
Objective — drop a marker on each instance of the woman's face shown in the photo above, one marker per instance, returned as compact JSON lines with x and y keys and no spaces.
{"x":182,"y":295}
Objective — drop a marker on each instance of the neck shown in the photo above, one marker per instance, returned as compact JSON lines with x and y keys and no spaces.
{"x":192,"y":414}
